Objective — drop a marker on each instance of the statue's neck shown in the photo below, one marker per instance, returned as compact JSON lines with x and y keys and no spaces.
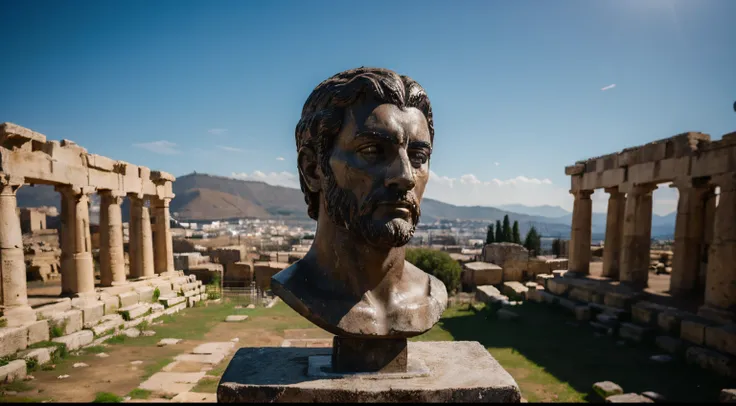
{"x":346,"y":263}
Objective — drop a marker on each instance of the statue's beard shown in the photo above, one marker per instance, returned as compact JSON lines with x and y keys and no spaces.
{"x":342,"y":208}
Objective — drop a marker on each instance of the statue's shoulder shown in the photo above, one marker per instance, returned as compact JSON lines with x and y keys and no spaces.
{"x":436,"y":288}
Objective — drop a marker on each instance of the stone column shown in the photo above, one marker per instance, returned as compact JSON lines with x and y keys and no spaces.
{"x":637,"y":238}
{"x":614,"y":233}
{"x":164,"y":250}
{"x":582,"y":215}
{"x":720,"y":282}
{"x":77,"y":200}
{"x":66,"y":239}
{"x":140,"y":238}
{"x":689,"y":229}
{"x":112,"y":256}
{"x":13,"y":290}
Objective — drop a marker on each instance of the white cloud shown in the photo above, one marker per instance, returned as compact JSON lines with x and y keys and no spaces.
{"x":273,"y":178}
{"x":217,"y":131}
{"x":497,"y":163}
{"x":611,"y":86}
{"x":230,"y":149}
{"x":160,"y":147}
{"x":280,"y":158}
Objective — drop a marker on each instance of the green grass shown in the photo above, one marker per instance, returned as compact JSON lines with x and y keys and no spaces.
{"x":139,"y":393}
{"x":151,"y":369}
{"x":553,"y":361}
{"x":16,"y":386}
{"x":107,"y":397}
{"x":117,"y":339}
{"x":206,"y":386}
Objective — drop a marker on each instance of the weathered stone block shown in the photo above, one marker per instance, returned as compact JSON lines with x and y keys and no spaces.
{"x":76,"y":340}
{"x":721,"y":338}
{"x":669,"y":322}
{"x":38,"y":331}
{"x":13,"y":371}
{"x":46,"y":311}
{"x":581,"y":294}
{"x":515,"y":290}
{"x":164,"y":288}
{"x":69,"y":321}
{"x":557,"y":286}
{"x":727,"y":396}
{"x":671,"y":345}
{"x":145,"y":294}
{"x":111,"y":303}
{"x":41,"y":355}
{"x":543,"y":278}
{"x":618,"y":300}
{"x":548,"y":297}
{"x":693,"y":329}
{"x":128,"y":299}
{"x":607,"y":388}
{"x":628,"y":398}
{"x":108,"y":325}
{"x":636,"y":333}
{"x":12,"y":340}
{"x":644,"y":313}
{"x":462,"y":372}
{"x":92,"y":313}
{"x":135,"y":311}
{"x":713,"y":360}
{"x":483,"y":293}
{"x":583,"y":313}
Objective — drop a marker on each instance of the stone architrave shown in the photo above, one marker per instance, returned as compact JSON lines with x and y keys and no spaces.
{"x":112,"y":256}
{"x":637,"y":236}
{"x":720,"y":282}
{"x":77,"y":205}
{"x":163,"y":253}
{"x":614,"y":233}
{"x":13,"y":290}
{"x":140,"y":238}
{"x":582,"y":214}
{"x":689,"y":229}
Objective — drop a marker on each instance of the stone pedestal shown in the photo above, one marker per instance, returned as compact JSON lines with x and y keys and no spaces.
{"x":614,"y":233}
{"x":582,"y":215}
{"x":456,"y":371}
{"x":634,"y":270}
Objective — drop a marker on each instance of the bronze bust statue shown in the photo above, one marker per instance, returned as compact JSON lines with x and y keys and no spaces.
{"x":364,"y":143}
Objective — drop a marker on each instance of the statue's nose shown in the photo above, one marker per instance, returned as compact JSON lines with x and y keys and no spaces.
{"x":400,"y":174}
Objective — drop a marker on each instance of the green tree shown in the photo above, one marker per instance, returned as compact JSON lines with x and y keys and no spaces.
{"x":515,"y":236}
{"x":556,"y":247}
{"x":533,"y":241}
{"x":490,"y":237}
{"x":507,"y":235}
{"x":438,"y":264}
{"x":499,"y":233}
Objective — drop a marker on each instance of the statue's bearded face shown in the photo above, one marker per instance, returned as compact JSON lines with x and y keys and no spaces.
{"x":377,"y":171}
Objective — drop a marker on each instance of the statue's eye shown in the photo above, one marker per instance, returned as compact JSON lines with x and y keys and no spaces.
{"x":418,"y":158}
{"x":370,"y":150}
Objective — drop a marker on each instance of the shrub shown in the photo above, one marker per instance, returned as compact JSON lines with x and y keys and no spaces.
{"x":31,"y":364}
{"x":107,"y":397}
{"x":436,"y":263}
{"x":156,"y":294}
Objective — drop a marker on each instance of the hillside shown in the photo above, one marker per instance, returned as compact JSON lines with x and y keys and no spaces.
{"x":207,"y":197}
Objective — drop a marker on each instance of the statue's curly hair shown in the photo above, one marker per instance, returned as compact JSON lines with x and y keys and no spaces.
{"x":323,"y":111}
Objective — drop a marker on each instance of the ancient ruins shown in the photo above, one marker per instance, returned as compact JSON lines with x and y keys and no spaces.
{"x":152,"y":284}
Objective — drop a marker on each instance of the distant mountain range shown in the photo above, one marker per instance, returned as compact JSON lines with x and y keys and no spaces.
{"x":206,"y":197}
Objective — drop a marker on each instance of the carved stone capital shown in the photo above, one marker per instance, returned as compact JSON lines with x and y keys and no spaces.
{"x":582,"y":194}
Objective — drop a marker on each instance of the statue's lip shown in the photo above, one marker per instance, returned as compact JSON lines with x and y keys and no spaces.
{"x":401,"y":204}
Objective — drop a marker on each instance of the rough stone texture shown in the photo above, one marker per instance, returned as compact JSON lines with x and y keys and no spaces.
{"x":38,"y":331}
{"x":92,"y":313}
{"x":713,"y":360}
{"x":693,"y":330}
{"x":13,"y":371}
{"x":168,"y":341}
{"x":132,"y":332}
{"x":583,"y":313}
{"x":172,"y":382}
{"x":607,"y":388}
{"x":721,"y":338}
{"x":194,"y":397}
{"x":481,"y":273}
{"x":543,"y":278}
{"x":76,"y":340}
{"x":49,"y":310}
{"x":501,"y":252}
{"x":214,"y":348}
{"x":628,"y":398}
{"x":557,"y":286}
{"x":108,"y":324}
{"x":671,"y":345}
{"x":669,"y":322}
{"x":41,"y":355}
{"x":460,"y":372}
{"x":548,"y":297}
{"x":515,"y":290}
{"x":70,"y":321}
{"x":12,"y":340}
{"x":236,"y":318}
{"x":727,"y":396}
{"x":134,"y":312}
{"x":635,"y":332}
{"x":145,"y":293}
{"x":484,"y":293}
{"x":128,"y":299}
{"x":209,"y":359}
{"x":172,"y":300}
{"x":112,"y":303}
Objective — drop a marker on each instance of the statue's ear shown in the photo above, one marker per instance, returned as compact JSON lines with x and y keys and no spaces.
{"x":309,"y":168}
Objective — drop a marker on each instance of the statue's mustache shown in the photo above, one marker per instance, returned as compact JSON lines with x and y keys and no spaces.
{"x":383,"y":196}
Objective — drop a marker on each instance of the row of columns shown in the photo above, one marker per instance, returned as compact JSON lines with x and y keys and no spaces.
{"x":699,"y":224}
{"x":150,"y":245}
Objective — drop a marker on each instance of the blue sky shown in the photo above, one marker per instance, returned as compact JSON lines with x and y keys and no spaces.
{"x":516,"y":87}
